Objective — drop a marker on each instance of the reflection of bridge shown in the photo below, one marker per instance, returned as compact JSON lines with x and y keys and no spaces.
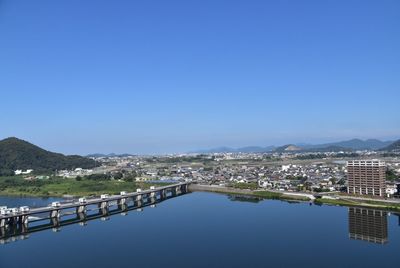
{"x":23,"y":223}
{"x":368,"y":225}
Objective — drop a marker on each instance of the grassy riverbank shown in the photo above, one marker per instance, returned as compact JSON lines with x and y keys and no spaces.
{"x":367,"y":204}
{"x":249,"y":192}
{"x":336,"y":202}
{"x":61,"y":187}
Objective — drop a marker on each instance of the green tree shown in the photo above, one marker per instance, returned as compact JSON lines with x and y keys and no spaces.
{"x":391,"y":175}
{"x":118,"y":176}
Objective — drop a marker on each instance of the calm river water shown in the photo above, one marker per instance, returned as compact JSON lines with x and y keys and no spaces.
{"x":214,"y":230}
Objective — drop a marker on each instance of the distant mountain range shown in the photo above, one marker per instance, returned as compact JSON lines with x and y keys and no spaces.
{"x":19,"y":154}
{"x":108,"y":155}
{"x":355,"y":144}
{"x":248,"y":149}
{"x":348,"y":145}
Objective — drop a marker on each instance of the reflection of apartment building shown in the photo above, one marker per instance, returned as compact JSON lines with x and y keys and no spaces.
{"x":368,"y":225}
{"x":366,"y":177}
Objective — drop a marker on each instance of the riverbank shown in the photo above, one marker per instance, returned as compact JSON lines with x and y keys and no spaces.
{"x":73,"y":188}
{"x":67,"y":187}
{"x":353,"y":203}
{"x":255,"y":193}
{"x":340,"y":201}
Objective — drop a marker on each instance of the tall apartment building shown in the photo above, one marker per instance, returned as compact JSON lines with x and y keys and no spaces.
{"x":366,"y":177}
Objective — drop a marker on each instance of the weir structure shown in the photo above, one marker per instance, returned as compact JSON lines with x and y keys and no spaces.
{"x":22,"y":223}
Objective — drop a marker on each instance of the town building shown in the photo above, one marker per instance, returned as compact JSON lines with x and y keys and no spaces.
{"x":366,"y":177}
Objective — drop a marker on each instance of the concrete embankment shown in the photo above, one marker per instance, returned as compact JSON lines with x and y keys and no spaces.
{"x":217,"y":189}
{"x":270,"y":194}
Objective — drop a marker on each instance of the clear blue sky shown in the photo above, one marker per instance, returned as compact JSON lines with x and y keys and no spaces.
{"x":173,"y":76}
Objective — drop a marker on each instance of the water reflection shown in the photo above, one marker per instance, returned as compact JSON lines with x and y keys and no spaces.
{"x":244,"y":198}
{"x":368,"y":225}
{"x":11,"y":233}
{"x":364,"y":224}
{"x":398,"y":216}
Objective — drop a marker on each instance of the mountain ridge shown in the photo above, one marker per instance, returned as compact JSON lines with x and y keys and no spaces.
{"x":393,"y":147}
{"x":20,"y":154}
{"x":346,"y":145}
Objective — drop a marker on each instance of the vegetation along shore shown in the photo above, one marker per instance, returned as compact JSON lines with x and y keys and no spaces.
{"x":59,"y":187}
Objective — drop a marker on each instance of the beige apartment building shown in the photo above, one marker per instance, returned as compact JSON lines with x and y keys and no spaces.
{"x":366,"y":177}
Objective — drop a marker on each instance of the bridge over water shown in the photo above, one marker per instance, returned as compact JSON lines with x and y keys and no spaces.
{"x":20,"y":224}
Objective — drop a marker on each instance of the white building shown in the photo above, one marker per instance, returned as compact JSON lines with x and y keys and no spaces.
{"x":20,"y":172}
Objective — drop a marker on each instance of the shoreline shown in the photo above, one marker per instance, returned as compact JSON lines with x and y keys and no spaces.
{"x":70,"y":189}
{"x":375,"y":204}
{"x":265,"y":194}
{"x":24,"y":195}
{"x":258,"y":193}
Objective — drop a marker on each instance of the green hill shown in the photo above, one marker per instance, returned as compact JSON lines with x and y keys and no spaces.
{"x":19,"y":154}
{"x":394,"y":147}
{"x":288,"y":148}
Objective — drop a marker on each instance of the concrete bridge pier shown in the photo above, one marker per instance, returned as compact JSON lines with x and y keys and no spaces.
{"x":103,"y":205}
{"x":185,"y":188}
{"x":123,"y":206}
{"x":23,"y":227}
{"x":3,"y":222}
{"x":104,"y":211}
{"x":139,"y":203}
{"x":177,"y":190}
{"x":23,"y":220}
{"x":55,"y":214}
{"x":81,"y":215}
{"x":55,"y":221}
{"x":139,"y":197}
{"x":163,"y":194}
{"x":153,"y":199}
{"x":174,"y":191}
{"x":80,"y":209}
{"x":2,"y":231}
{"x":122,"y":201}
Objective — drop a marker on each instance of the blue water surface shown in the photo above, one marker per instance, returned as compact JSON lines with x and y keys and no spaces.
{"x":208,"y":230}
